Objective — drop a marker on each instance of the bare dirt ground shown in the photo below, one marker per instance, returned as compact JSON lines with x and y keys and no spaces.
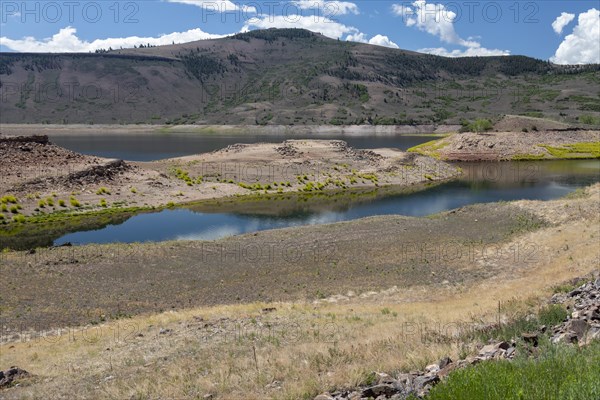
{"x":35,"y":171}
{"x":71,"y":286}
{"x":506,"y":146}
{"x":369,"y":305}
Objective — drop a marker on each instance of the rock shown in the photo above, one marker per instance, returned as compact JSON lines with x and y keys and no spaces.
{"x":491,"y":350}
{"x":444,"y":362}
{"x":8,"y":377}
{"x":378,"y":390}
{"x":164,"y":331}
{"x":577,"y":326}
{"x":510,"y":352}
{"x":269,"y":309}
{"x":384,"y":378}
{"x":444,"y":372}
{"x":531,"y":338}
{"x":433,"y":368}
{"x":324,"y":396}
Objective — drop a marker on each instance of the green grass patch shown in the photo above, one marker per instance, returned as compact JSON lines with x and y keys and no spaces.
{"x":528,"y":157}
{"x":574,"y":151}
{"x":560,"y":372}
{"x":430,"y":148}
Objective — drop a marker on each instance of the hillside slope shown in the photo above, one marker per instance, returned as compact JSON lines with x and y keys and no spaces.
{"x":286,"y":76}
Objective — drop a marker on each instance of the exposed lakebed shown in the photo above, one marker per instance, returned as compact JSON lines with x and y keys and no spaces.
{"x":480,"y":183}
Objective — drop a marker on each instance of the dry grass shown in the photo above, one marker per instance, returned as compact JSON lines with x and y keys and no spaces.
{"x":305,"y":347}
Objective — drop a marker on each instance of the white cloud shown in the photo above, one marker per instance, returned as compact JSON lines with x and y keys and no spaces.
{"x":325,"y":26}
{"x":468,"y":52}
{"x":216,"y":5}
{"x":583,"y":45}
{"x":381,"y":40}
{"x":561,"y":21}
{"x":438,"y":20}
{"x":66,"y":41}
{"x":328,"y":8}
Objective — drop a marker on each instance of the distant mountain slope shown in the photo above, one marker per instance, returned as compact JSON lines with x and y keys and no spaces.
{"x":286,"y":76}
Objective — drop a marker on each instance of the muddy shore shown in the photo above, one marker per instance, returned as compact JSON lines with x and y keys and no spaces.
{"x":43,"y":179}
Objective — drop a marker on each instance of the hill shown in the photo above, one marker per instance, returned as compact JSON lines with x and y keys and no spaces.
{"x":286,"y":77}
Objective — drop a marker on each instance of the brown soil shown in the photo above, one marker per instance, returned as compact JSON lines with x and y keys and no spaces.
{"x":452,"y":250}
{"x":37,"y":171}
{"x":506,"y":146}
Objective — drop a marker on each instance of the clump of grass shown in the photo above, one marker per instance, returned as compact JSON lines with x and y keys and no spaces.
{"x":9,"y":199}
{"x":62,"y":203}
{"x":430,"y":148}
{"x":74,"y":202}
{"x":50,"y":202}
{"x":14,"y":209}
{"x":2,"y":217}
{"x":102,"y":191}
{"x":170,"y":204}
{"x":133,"y":190}
{"x":4,"y":208}
{"x":103,"y":203}
{"x":19,"y":218}
{"x":528,"y":157}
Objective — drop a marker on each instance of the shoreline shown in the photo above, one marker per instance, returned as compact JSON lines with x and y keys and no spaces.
{"x":317,"y":130}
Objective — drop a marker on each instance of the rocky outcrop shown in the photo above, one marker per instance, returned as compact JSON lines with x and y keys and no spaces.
{"x":583,"y":324}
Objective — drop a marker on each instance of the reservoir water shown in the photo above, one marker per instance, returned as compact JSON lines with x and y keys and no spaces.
{"x":480,"y":183}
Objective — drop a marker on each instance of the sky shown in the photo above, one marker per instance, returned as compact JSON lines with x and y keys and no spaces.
{"x":564,"y":32}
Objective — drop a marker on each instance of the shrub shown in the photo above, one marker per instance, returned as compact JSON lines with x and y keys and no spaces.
{"x":9,"y":199}
{"x":103,"y":203}
{"x":133,"y":190}
{"x":2,"y":217}
{"x":74,"y":202}
{"x":4,"y":208}
{"x":14,"y":209}
{"x":479,"y":125}
{"x":62,"y":203}
{"x":19,"y":218}
{"x":41,"y":204}
{"x":102,"y":190}
{"x":50,"y":202}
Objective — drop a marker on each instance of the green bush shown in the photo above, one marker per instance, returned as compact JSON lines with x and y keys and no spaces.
{"x":14,"y":209}
{"x":2,"y":217}
{"x":62,"y":203}
{"x":479,"y":125}
{"x":4,"y":208}
{"x":50,"y":202}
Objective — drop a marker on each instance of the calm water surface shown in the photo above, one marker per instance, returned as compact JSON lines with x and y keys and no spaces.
{"x":156,"y":146}
{"x":482,"y":182}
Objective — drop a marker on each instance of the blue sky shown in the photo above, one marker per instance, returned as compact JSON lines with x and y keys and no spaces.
{"x":452,"y":28}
